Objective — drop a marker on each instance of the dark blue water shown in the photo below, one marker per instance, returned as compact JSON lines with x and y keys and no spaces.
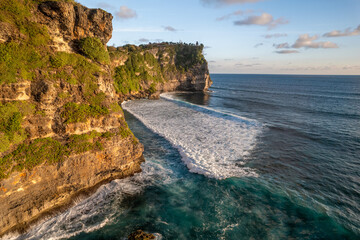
{"x":306,"y":160}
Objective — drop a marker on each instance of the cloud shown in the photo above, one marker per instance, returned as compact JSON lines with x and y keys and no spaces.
{"x":276,"y":35}
{"x":105,"y":5}
{"x":236,"y":13}
{"x":247,"y":65}
{"x":287,"y":51}
{"x":265,"y":19}
{"x":306,"y":41}
{"x":144,"y":40}
{"x":281,"y":45}
{"x":126,"y":13}
{"x":258,"y":45}
{"x":170,"y":29}
{"x":227,"y":2}
{"x":346,"y":33}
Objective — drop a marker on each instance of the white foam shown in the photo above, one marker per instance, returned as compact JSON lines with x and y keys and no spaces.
{"x":210,"y":142}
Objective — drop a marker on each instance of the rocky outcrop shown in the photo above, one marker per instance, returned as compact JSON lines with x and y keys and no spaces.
{"x":140,"y":235}
{"x":26,"y":196}
{"x":196,"y":79}
{"x":8,"y":32}
{"x":68,"y":22}
{"x":29,"y":193}
{"x":163,"y":66}
{"x":92,"y":142}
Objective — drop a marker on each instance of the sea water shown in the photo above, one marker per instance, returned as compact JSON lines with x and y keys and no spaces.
{"x":258,"y":157}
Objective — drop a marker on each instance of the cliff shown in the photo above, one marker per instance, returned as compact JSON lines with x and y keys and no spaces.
{"x":147,"y":70}
{"x":62,"y":131}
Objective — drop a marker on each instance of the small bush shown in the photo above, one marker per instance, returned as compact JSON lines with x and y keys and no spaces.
{"x":11,"y":116}
{"x":152,"y":88}
{"x":94,"y":49}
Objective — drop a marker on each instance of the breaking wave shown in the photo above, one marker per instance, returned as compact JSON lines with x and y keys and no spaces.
{"x":211,"y":142}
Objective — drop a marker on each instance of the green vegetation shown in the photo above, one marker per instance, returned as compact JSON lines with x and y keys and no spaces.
{"x":141,"y":66}
{"x":18,"y":60}
{"x":11,"y":116}
{"x":85,"y":142}
{"x":152,"y":88}
{"x":115,"y":107}
{"x":29,"y":155}
{"x":188,"y":55}
{"x":73,"y":68}
{"x":73,"y":113}
{"x":94,"y":49}
{"x":138,"y":67}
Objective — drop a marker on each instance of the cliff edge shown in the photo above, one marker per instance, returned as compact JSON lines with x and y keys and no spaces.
{"x":62,"y":130}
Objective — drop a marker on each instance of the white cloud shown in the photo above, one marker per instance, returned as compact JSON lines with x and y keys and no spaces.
{"x":281,"y":45}
{"x":170,"y":29}
{"x":105,"y":5}
{"x":227,"y":2}
{"x":276,"y":35}
{"x":287,"y":51}
{"x":346,"y":33}
{"x":236,"y":13}
{"x":258,"y":45}
{"x":265,"y":19}
{"x":144,"y":40}
{"x":305,"y":41}
{"x":126,"y":13}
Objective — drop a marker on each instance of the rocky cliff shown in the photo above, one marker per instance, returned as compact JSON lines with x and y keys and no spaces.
{"x":62,"y":131}
{"x":148,"y":70}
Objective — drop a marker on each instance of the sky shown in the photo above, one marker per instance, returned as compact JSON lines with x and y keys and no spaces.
{"x":248,"y":36}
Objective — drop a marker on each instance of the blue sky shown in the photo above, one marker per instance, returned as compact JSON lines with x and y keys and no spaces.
{"x":248,"y":36}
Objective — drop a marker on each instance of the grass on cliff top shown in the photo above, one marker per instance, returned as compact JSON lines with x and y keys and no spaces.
{"x":51,"y":151}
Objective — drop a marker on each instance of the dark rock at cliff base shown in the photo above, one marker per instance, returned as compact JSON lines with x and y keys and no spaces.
{"x":140,"y":235}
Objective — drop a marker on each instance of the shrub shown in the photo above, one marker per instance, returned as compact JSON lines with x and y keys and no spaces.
{"x":11,"y":115}
{"x":152,"y":88}
{"x":94,"y":49}
{"x":73,"y":112}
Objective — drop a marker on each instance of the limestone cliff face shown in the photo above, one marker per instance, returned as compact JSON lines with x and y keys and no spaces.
{"x":71,"y":135}
{"x":162,"y":67}
{"x":69,"y":22}
{"x":62,"y":132}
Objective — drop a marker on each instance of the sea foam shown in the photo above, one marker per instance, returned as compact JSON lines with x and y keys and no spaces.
{"x":211,"y":142}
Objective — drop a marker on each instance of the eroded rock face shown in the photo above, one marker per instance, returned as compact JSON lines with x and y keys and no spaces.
{"x":197,"y":79}
{"x":8,"y":32}
{"x":28,"y":195}
{"x":68,"y":22}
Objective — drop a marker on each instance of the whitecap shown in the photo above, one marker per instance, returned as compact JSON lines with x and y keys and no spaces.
{"x":212,"y":143}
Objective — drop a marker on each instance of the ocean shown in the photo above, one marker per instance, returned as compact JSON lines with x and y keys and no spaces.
{"x":257,"y":157}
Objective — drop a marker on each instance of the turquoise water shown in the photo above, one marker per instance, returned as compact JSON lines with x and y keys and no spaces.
{"x":280,"y":161}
